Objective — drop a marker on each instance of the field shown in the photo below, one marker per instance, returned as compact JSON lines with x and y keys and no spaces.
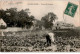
{"x":35,"y":41}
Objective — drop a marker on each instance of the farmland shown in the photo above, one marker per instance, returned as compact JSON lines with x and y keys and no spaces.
{"x":34,"y":41}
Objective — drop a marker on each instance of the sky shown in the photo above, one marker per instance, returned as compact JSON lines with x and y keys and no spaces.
{"x":41,"y":8}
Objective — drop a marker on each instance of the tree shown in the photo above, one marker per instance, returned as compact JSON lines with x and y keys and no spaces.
{"x":2,"y":13}
{"x":11,"y":14}
{"x":16,"y":18}
{"x":48,"y":19}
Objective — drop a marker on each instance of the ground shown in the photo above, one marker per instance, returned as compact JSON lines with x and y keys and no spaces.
{"x":34,"y":41}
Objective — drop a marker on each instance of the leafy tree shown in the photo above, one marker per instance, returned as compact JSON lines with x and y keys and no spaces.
{"x":16,"y":18}
{"x":11,"y":16}
{"x":48,"y":19}
{"x":2,"y":13}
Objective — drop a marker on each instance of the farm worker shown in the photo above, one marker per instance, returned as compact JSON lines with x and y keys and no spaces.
{"x":49,"y":38}
{"x":1,"y":33}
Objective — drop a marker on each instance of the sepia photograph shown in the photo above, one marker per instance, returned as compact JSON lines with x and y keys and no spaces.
{"x":39,"y":26}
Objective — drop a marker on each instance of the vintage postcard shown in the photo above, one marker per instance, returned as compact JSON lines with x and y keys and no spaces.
{"x":39,"y":26}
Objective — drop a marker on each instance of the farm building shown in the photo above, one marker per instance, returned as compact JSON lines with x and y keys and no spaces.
{"x":63,"y":25}
{"x":3,"y":25}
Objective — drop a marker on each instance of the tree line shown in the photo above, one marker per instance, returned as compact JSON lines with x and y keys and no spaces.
{"x":15,"y":18}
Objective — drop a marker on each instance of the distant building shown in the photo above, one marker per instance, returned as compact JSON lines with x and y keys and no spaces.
{"x":3,"y":25}
{"x":63,"y":25}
